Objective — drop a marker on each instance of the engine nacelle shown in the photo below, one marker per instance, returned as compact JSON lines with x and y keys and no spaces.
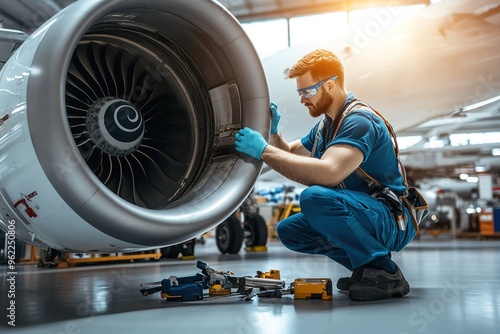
{"x":121,"y":123}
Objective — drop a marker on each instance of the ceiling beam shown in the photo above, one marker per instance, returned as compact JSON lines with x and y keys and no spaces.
{"x":334,"y":6}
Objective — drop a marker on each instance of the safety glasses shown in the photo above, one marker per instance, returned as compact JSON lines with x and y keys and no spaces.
{"x":310,"y":91}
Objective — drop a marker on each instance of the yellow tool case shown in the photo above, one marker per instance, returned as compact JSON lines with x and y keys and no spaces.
{"x":312,"y":288}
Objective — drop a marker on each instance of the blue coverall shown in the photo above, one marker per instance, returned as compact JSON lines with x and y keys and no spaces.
{"x":348,"y":225}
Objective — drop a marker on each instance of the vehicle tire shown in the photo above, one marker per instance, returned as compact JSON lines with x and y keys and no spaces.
{"x":20,"y":250}
{"x":185,"y":248}
{"x":229,"y":235}
{"x":3,"y":248}
{"x":255,"y":230}
{"x":171,"y":252}
{"x":50,"y":255}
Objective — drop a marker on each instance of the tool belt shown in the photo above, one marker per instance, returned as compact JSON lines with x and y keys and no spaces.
{"x":411,"y":198}
{"x":417,"y":206}
{"x":395,"y":204}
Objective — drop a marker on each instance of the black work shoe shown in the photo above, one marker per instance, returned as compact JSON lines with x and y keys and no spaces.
{"x":377,"y":284}
{"x":345,"y":283}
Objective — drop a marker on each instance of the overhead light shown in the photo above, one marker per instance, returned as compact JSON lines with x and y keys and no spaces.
{"x":480,"y":169}
{"x":464,"y":177}
{"x":473,"y":179}
{"x":470,"y":211}
{"x":495,"y":152}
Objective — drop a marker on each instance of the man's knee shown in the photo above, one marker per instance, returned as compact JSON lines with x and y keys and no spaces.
{"x":290,"y":227}
{"x":283,"y":230}
{"x":309,"y":195}
{"x":315,"y":197}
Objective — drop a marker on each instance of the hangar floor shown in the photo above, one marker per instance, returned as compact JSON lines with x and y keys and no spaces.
{"x":455,"y":288}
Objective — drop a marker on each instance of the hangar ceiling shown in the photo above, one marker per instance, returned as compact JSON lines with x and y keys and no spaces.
{"x":28,"y":15}
{"x":251,"y":10}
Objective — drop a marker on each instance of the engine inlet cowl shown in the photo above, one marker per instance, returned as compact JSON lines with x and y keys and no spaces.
{"x":137,"y":103}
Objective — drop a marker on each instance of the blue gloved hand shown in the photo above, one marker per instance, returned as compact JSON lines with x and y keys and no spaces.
{"x":275,"y":118}
{"x":250,"y":142}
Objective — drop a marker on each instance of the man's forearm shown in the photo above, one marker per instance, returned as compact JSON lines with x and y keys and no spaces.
{"x":304,"y":170}
{"x":277,"y":141}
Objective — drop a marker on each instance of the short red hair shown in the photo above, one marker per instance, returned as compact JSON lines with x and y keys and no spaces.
{"x":322,"y":64}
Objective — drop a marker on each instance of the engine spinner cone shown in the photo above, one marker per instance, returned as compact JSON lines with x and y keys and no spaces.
{"x":115,"y":126}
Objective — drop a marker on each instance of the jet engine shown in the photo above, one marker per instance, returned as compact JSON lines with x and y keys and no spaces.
{"x":119,"y":122}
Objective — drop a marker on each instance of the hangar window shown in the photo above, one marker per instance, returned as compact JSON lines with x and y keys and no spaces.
{"x":405,"y":142}
{"x":313,"y":27}
{"x":268,"y":37}
{"x":271,"y":36}
{"x":462,"y":139}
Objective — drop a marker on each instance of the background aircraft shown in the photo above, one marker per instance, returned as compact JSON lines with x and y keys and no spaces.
{"x":439,"y":64}
{"x":69,"y":189}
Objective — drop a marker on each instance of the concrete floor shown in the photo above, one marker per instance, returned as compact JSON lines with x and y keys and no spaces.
{"x":455,"y":288}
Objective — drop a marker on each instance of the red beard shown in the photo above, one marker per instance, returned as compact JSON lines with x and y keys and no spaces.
{"x":325,"y":101}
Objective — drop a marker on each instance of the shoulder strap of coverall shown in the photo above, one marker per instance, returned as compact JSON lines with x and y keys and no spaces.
{"x":373,"y":183}
{"x":316,"y":138}
{"x":336,"y":125}
{"x":355,"y":104}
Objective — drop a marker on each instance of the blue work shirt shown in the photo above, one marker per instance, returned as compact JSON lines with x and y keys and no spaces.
{"x":366,"y":131}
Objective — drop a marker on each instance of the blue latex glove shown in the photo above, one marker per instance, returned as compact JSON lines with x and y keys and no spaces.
{"x":250,"y":142}
{"x":275,"y":118}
